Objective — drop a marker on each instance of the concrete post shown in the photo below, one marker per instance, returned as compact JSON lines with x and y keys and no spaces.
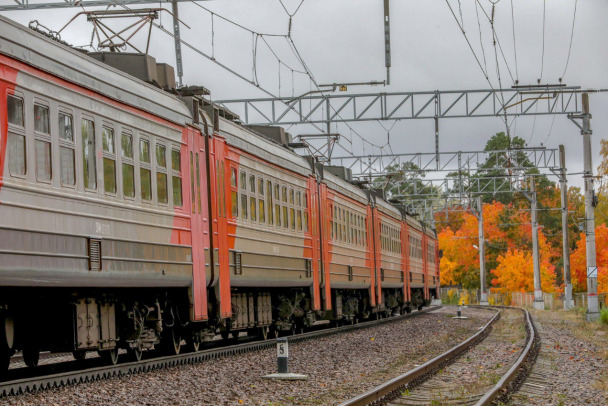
{"x":539,"y":303}
{"x":563,"y":181}
{"x":592,"y":299}
{"x":178,"y":44}
{"x":482,"y":256}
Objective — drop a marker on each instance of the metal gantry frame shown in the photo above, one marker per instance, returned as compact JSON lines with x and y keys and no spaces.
{"x":459,"y":161}
{"x":336,"y":108}
{"x":17,"y":5}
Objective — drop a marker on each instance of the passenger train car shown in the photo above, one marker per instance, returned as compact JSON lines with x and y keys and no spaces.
{"x":135,"y":216}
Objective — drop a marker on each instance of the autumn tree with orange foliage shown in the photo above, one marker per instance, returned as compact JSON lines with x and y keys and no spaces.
{"x":578,"y":261}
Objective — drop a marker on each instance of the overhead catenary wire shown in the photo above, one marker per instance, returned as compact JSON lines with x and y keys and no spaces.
{"x":571,"y":38}
{"x":477,"y":59}
{"x":515,"y":43}
{"x":542,"y":59}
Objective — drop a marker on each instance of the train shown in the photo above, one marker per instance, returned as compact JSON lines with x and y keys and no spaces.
{"x":138,"y":216}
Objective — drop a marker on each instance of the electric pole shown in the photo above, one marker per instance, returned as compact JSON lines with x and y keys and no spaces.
{"x":539,"y":303}
{"x":592,"y":299}
{"x":482,"y":256}
{"x":563,"y":181}
{"x":178,"y":44}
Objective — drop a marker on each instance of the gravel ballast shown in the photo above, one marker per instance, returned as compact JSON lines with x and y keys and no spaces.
{"x":572,"y":366}
{"x":339,"y":367}
{"x":476,"y":371}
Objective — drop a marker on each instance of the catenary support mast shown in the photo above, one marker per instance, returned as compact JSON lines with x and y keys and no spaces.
{"x":538,"y":292}
{"x":563,"y":181}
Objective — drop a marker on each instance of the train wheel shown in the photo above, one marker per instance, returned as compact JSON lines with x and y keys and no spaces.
{"x":79,"y":355}
{"x":192,"y":345}
{"x":110,"y":356}
{"x":224,"y":334}
{"x":31,"y":354}
{"x":172,"y":342}
{"x":135,"y":354}
{"x":264,"y":333}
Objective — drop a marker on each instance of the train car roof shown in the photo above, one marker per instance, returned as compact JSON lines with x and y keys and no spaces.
{"x":343,"y":187}
{"x":33,"y":48}
{"x":258,"y":145}
{"x":387,"y":208}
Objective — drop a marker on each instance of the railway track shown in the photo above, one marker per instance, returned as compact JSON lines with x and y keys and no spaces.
{"x":417,"y":387}
{"x":74,"y":372}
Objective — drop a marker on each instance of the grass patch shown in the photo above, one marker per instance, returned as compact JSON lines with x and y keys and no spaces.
{"x":604,"y":316}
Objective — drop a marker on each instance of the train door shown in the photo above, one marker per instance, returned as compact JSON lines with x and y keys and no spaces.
{"x":377,"y":254}
{"x":199,"y":222}
{"x":325,"y":255}
{"x":219,"y":176}
{"x":425,"y":264}
{"x":371,"y":255}
{"x":313,"y":226}
{"x":405,"y":261}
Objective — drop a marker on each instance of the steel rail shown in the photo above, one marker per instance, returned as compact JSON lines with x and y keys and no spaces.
{"x":516,"y":374}
{"x":391,"y":389}
{"x":20,"y":386}
{"x":509,"y":382}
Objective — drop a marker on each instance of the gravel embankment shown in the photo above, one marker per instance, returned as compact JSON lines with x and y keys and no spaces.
{"x":338,"y":366}
{"x":572,"y":366}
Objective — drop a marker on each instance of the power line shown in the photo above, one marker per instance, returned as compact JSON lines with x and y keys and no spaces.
{"x":542,"y":64}
{"x":571,"y":37}
{"x":515,"y":43}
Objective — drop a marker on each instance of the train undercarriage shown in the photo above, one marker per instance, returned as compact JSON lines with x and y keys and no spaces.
{"x":106,"y":321}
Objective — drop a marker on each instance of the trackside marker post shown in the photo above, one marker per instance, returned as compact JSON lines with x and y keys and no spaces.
{"x":283,"y":364}
{"x":283,"y":355}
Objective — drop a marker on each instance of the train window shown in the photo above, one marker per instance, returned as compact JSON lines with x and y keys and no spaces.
{"x":252,"y":208}
{"x":128,"y":169}
{"x":290,"y":196}
{"x":41,"y":119}
{"x":285,"y":209}
{"x":177,"y":191}
{"x":145,"y":173}
{"x":43,"y":160}
{"x":299,"y":222}
{"x":161,"y":187}
{"x":305,"y":219}
{"x":146,"y":184}
{"x":269,"y":202}
{"x":176,"y":160}
{"x":252,"y":183}
{"x":252,"y":199}
{"x":261,"y":207}
{"x":233,"y":177}
{"x":244,"y":210}
{"x":161,"y":159}
{"x":176,"y":178}
{"x":66,"y":128}
{"x":144,"y":150}
{"x":126,"y":146}
{"x":243,"y":181}
{"x":277,"y":205}
{"x":15,"y":110}
{"x":109,"y":164}
{"x":89,"y":167}
{"x":234,"y":195}
{"x":299,"y":199}
{"x":66,"y":158}
{"x":128,"y":180}
{"x":66,"y":149}
{"x":292,"y":216}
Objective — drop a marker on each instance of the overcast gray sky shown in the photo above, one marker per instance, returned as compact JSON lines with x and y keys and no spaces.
{"x":342,"y":41}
